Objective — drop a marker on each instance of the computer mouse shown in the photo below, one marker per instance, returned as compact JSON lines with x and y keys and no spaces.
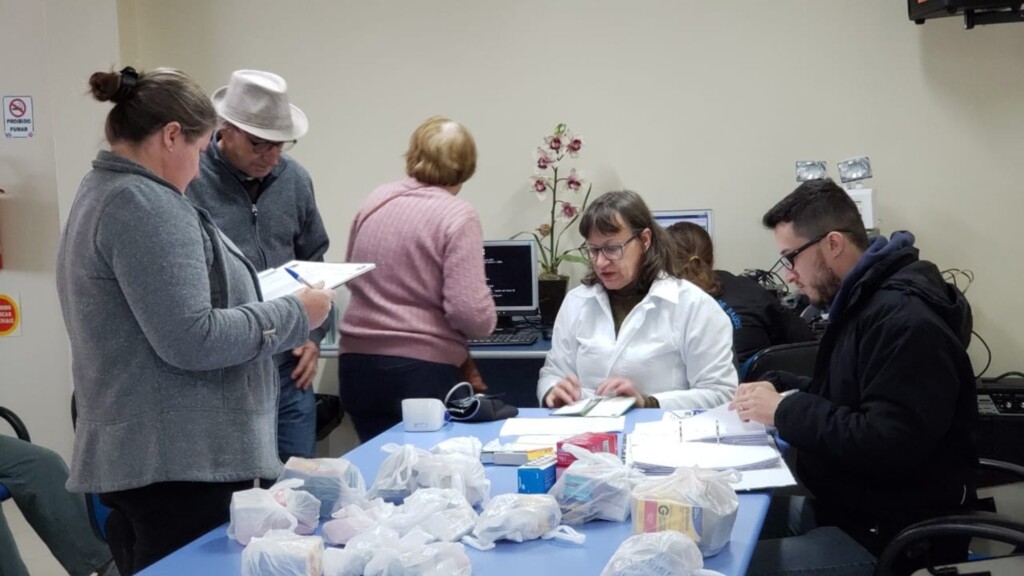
{"x":547,"y":334}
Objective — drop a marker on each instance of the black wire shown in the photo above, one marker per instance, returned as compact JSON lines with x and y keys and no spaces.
{"x":521,"y":323}
{"x":951,"y":275}
{"x":988,"y":351}
{"x":1010,"y":373}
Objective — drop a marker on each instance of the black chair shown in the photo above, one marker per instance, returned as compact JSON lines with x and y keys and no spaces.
{"x":795,"y":358}
{"x":16,"y":423}
{"x":20,"y":431}
{"x":992,"y":526}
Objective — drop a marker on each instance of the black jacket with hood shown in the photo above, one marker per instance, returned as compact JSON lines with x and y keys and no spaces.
{"x":884,"y":432}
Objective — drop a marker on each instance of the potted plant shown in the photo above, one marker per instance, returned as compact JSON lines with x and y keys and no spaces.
{"x":561,"y":192}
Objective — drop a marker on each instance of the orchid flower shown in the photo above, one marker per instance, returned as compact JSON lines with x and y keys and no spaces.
{"x":547,"y":184}
{"x":574,"y":181}
{"x":567,"y":211}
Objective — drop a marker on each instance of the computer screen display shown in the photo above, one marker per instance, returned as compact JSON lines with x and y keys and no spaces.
{"x":511,"y":269}
{"x":702,"y":218}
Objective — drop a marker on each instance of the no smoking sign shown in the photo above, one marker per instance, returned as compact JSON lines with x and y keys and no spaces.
{"x":18,"y":117}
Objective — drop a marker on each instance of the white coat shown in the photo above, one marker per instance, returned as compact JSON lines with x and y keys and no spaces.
{"x":675,"y":345}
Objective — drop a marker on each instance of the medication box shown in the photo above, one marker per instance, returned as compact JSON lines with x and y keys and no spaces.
{"x":537,"y":476}
{"x":659,"y":515}
{"x":590,"y":441}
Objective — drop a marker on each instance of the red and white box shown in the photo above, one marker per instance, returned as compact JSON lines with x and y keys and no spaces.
{"x":589,"y":441}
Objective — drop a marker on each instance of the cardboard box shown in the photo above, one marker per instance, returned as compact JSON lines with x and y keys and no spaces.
{"x":590,"y":441}
{"x":660,"y":515}
{"x":538,"y":476}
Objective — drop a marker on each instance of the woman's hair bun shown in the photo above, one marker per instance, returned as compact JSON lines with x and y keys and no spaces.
{"x":116,"y":87}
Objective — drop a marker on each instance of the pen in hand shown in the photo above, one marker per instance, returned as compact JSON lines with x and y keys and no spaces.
{"x":295,"y":275}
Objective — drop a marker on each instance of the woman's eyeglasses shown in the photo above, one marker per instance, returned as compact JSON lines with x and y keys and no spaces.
{"x":611,"y":251}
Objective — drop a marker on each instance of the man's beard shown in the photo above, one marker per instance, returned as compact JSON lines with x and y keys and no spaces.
{"x":825,"y":286}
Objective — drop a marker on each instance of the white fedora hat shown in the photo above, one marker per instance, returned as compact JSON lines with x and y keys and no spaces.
{"x":257,"y":102}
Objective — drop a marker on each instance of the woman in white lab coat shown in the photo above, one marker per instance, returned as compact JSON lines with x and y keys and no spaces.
{"x":634,"y":328}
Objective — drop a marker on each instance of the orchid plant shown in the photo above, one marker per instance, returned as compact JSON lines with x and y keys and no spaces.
{"x":561,"y":192}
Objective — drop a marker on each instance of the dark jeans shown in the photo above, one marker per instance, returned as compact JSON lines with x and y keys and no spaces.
{"x":793,"y":543}
{"x":148,"y":523}
{"x":296,"y":416}
{"x":373,"y":386}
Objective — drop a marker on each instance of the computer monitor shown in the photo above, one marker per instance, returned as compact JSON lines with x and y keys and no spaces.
{"x":702,"y":218}
{"x":511,"y":269}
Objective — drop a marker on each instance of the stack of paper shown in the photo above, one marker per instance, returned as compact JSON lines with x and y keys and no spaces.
{"x":659,"y":458}
{"x":715,"y":439}
{"x":279,"y":282}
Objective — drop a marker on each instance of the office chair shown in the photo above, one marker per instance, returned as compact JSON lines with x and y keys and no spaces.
{"x":98,"y":511}
{"x":20,"y":431}
{"x":795,"y":358}
{"x":983,"y":525}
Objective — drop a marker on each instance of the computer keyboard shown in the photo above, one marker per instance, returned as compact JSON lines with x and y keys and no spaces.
{"x":506,"y":339}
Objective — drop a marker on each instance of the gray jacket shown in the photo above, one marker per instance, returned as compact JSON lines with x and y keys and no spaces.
{"x":171,"y":350}
{"x":283,"y":225}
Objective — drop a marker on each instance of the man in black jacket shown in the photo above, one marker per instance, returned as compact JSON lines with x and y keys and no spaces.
{"x":884,"y":428}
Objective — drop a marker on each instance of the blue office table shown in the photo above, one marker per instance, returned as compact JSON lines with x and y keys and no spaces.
{"x":215,"y":553}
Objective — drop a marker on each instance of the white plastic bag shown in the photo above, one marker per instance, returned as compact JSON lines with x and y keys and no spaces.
{"x":465,"y":445}
{"x":456,"y":471}
{"x":362,"y":547}
{"x":520,"y":517}
{"x":435,"y":559}
{"x":667,"y":553}
{"x":699,"y":503}
{"x":348,"y":522}
{"x":335,"y":482}
{"x":255,"y":512}
{"x":282,"y":553}
{"x":395,"y":478}
{"x":596,"y":486}
{"x":303,"y":505}
{"x":338,"y":562}
{"x":443,"y":514}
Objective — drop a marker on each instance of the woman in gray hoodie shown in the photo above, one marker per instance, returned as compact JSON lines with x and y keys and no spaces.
{"x":171,"y":345}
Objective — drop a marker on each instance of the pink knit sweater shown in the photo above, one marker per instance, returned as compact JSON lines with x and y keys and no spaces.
{"x":428,"y":292}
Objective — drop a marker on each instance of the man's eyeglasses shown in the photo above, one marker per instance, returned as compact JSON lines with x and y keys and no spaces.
{"x":611,"y":252}
{"x":264,"y":146}
{"x":788,"y":260}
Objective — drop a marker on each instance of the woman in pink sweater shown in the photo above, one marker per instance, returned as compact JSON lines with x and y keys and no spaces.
{"x":404,"y":332}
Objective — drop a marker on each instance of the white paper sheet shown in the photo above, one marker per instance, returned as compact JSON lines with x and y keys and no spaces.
{"x":277,"y":282}
{"x":561,"y":426}
{"x":726,"y":422}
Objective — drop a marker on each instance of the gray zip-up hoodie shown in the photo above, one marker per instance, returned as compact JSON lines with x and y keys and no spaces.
{"x":283,"y":224}
{"x":171,"y":350}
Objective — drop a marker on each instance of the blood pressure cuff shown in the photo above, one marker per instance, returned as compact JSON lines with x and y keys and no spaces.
{"x":476,"y":407}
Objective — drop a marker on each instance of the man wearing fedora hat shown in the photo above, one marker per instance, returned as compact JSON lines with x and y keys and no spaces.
{"x":263,"y":200}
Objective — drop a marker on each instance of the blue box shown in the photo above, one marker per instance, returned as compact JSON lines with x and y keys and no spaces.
{"x":537,"y":476}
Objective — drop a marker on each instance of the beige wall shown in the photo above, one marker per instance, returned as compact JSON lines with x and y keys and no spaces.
{"x":49,"y":48}
{"x":693,"y":104}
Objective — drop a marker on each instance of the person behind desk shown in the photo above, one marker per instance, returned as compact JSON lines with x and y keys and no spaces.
{"x":263,"y":200}
{"x":884,"y":428}
{"x":757,"y":316}
{"x":171,"y":350}
{"x":403,"y":334}
{"x":634,"y":328}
